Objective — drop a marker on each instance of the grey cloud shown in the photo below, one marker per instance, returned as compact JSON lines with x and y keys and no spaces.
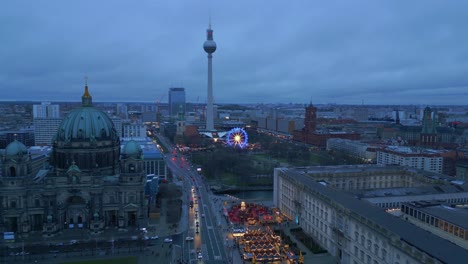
{"x":274,"y":51}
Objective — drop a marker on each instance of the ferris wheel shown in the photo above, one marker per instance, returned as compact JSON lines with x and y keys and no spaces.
{"x":237,"y":137}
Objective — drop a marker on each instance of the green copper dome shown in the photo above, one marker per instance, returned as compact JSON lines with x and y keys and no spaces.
{"x":16,"y":148}
{"x":86,"y":124}
{"x":132,"y":149}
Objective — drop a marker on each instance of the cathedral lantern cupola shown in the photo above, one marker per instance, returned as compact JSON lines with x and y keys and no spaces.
{"x":86,"y":99}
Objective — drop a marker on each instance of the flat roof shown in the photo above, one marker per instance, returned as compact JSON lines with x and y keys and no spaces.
{"x":454,"y":215}
{"x":345,"y":169}
{"x":423,"y":240}
{"x":406,"y":191}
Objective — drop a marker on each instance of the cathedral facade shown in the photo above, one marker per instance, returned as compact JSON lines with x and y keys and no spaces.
{"x":89,"y":182}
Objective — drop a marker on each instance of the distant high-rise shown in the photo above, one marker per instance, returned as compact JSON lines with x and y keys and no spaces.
{"x":176,"y":101}
{"x":209,"y":46}
{"x":46,"y":122}
{"x":46,"y":110}
{"x":44,"y":130}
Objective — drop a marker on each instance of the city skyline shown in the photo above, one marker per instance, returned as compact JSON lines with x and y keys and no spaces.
{"x":387,"y":53}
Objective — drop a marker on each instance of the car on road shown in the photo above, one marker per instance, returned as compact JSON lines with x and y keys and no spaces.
{"x":202,"y":215}
{"x":200,"y":256}
{"x":196,"y":231}
{"x":154,"y":237}
{"x":168,"y":240}
{"x":189,"y":238}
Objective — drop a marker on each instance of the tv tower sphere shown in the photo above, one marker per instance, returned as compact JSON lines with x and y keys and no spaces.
{"x":209,"y":46}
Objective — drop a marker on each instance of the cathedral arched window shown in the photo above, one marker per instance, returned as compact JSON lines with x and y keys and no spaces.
{"x":12,"y":171}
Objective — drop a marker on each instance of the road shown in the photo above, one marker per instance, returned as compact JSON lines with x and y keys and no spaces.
{"x":209,"y":240}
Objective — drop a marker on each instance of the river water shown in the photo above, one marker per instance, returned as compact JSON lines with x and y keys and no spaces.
{"x":254,"y":195}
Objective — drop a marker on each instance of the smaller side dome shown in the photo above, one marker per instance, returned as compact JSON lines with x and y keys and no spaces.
{"x":132,"y":149}
{"x":16,"y":148}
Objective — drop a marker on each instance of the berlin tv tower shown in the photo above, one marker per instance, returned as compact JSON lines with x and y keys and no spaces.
{"x":209,"y":46}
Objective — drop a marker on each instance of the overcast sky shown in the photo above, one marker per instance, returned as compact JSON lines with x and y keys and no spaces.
{"x":269,"y":51}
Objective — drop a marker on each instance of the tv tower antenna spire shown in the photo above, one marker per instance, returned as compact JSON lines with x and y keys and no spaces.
{"x":210,"y":47}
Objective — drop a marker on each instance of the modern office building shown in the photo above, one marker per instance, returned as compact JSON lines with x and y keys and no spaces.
{"x":44,"y":130}
{"x":46,"y":110}
{"x":353,"y":230}
{"x":46,"y":120}
{"x":176,"y":101}
{"x":89,"y":184}
{"x":118,"y":125}
{"x":424,"y":159}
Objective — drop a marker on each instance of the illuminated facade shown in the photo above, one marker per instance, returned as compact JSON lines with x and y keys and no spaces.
{"x":352,"y":230}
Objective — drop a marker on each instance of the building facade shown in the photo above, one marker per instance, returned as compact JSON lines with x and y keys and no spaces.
{"x":354,"y":231}
{"x":449,"y":221}
{"x":44,"y":130}
{"x":154,"y":163}
{"x":353,"y":148}
{"x":46,"y":110}
{"x":176,"y":101}
{"x":133,"y":129}
{"x":310,"y":135}
{"x":424,"y":159}
{"x":90,"y":184}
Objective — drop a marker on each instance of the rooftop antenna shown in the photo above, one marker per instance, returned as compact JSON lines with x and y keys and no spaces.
{"x":209,"y":16}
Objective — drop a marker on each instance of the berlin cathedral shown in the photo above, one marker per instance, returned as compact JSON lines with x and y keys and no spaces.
{"x":87,"y":182}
